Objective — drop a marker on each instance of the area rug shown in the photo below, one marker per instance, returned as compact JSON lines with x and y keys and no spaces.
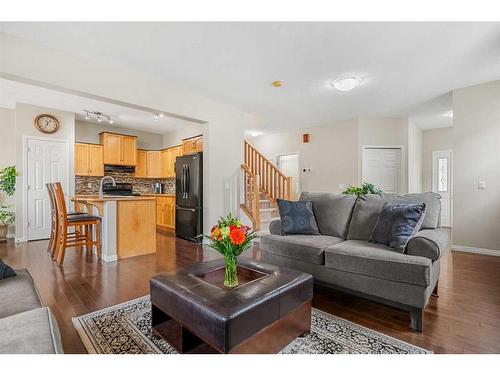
{"x":126,"y":329}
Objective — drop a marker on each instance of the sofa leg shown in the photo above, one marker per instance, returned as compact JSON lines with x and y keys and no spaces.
{"x":417,"y":319}
{"x":435,"y":291}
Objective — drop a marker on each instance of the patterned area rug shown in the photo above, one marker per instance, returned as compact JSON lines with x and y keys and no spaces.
{"x":126,"y":329}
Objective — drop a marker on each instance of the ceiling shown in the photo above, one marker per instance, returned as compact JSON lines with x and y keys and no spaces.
{"x":123,"y":116}
{"x":403,"y":65}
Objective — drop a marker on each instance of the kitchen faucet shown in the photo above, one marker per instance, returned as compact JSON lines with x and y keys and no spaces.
{"x":100,"y":184}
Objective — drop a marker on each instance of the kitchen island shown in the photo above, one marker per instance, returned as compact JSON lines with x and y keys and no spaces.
{"x":128,"y":224}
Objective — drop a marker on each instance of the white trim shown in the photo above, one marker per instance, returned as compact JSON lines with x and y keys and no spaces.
{"x":27,"y":138}
{"x":403,"y":177}
{"x":475,"y":250}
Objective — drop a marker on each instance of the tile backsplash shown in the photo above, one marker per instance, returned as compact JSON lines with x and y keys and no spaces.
{"x":140,"y":185}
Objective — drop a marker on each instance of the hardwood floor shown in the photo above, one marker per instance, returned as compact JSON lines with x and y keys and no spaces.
{"x":464,"y":319}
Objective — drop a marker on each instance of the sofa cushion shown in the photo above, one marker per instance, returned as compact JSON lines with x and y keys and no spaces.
{"x":370,"y":259}
{"x":432,"y":219}
{"x":6,"y":270}
{"x":333,"y":212}
{"x":297,"y":217}
{"x":366,"y":213}
{"x":30,"y":332}
{"x":302,"y":247}
{"x":397,"y":223}
{"x":18,"y":294}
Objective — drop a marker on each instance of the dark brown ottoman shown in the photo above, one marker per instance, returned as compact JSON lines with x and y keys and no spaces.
{"x":268,"y":310}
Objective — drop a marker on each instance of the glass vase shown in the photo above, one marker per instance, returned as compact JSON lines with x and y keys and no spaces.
{"x":231,"y":272}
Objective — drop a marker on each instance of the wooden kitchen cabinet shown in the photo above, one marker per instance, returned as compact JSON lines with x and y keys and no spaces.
{"x":167,"y":160}
{"x":119,"y":149}
{"x":140,"y":168}
{"x":153,"y":165}
{"x":165,"y":212}
{"x":192,"y":145}
{"x":89,"y":160}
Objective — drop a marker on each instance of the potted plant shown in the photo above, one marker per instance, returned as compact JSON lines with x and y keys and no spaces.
{"x":364,"y":189}
{"x":7,"y":217}
{"x":8,"y":186}
{"x":230,"y":238}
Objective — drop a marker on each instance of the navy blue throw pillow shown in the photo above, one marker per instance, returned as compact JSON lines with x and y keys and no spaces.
{"x":397,"y":223}
{"x":297,"y":217}
{"x":6,"y":271}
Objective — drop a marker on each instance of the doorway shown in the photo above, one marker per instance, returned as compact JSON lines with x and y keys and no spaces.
{"x":442,"y":183}
{"x":382,"y":166}
{"x":289,"y":165}
{"x":47,"y":161}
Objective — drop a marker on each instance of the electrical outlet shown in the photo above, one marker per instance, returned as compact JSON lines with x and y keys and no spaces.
{"x":481,"y":185}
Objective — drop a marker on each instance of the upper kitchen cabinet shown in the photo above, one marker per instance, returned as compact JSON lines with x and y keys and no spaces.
{"x":89,"y":160}
{"x":140,"y":168}
{"x":168,"y":157}
{"x":192,"y":145}
{"x":119,"y":149}
{"x":153,"y":166}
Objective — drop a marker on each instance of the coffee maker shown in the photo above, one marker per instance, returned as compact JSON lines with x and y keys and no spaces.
{"x":159,"y":188}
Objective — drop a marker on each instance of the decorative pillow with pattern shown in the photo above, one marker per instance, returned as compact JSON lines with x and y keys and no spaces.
{"x":297,"y":217}
{"x":397,"y":223}
{"x":6,"y":271}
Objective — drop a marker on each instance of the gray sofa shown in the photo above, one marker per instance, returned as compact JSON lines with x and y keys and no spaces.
{"x":343,"y":257}
{"x":26,"y":327}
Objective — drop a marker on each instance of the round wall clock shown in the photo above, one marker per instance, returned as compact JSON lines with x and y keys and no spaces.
{"x":47,"y":124}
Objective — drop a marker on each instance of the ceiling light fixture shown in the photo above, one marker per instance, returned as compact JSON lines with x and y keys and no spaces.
{"x":277,"y":84}
{"x":156,"y":116}
{"x":254,"y":133}
{"x":161,"y":115}
{"x":449,"y":114}
{"x":346,"y":83}
{"x":99,"y":116}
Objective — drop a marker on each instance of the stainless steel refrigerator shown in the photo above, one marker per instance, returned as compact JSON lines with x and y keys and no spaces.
{"x":189,"y":196}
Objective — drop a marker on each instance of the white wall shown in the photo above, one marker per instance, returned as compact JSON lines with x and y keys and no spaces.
{"x":88,"y":132}
{"x":25,"y":114}
{"x":331,"y":154}
{"x":433,"y":140}
{"x":415,"y":154}
{"x":476,"y":153}
{"x":7,"y":151}
{"x":223,"y":155}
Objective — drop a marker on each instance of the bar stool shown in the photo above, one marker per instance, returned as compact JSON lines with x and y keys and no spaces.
{"x":64,"y":222}
{"x":54,"y":227}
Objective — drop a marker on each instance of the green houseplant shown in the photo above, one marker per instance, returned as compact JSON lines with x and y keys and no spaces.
{"x":230,"y":238}
{"x":364,"y":189}
{"x":7,"y":217}
{"x":8,"y":186}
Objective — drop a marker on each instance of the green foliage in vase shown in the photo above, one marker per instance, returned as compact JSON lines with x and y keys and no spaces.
{"x":7,"y":216}
{"x":364,"y":189}
{"x":8,"y":180}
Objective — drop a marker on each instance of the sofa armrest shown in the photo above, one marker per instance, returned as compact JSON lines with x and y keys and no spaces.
{"x":429,"y":243}
{"x":275,"y":227}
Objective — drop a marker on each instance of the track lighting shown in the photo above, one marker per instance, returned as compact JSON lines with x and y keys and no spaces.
{"x":156,"y":116}
{"x":99,"y":116}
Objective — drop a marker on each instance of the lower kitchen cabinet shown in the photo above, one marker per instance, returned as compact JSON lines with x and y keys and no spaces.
{"x":165,"y":212}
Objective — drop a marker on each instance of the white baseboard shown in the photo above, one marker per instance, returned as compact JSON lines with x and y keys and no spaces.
{"x":475,"y":250}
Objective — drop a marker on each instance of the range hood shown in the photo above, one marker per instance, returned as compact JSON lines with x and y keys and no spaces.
{"x":119,"y":168}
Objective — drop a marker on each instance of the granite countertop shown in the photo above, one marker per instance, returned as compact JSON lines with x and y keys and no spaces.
{"x":158,"y":195}
{"x":97,"y":198}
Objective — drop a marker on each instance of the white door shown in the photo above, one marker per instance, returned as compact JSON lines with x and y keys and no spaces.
{"x":382,"y":167}
{"x":442,"y":183}
{"x":289,"y":165}
{"x":46,"y":163}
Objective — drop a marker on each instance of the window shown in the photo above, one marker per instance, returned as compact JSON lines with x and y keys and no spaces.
{"x":443,"y":175}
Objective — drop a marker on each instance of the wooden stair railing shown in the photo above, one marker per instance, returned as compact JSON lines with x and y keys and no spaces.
{"x":273,"y":183}
{"x":250,"y":204}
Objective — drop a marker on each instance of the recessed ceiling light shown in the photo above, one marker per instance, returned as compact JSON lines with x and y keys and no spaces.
{"x":254,"y":133}
{"x":277,"y":84}
{"x":346,"y":83}
{"x":449,"y":114}
{"x":161,"y":114}
{"x":156,"y":116}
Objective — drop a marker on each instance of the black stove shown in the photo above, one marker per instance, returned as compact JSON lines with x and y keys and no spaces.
{"x":121,"y":188}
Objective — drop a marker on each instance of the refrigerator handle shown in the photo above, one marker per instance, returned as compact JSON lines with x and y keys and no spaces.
{"x":182,"y":182}
{"x":188,"y":181}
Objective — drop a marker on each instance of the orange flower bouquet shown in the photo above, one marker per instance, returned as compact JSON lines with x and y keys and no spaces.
{"x":230,"y":238}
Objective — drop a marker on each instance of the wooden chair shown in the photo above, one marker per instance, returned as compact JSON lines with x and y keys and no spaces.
{"x":66,"y":239}
{"x":54,"y":227}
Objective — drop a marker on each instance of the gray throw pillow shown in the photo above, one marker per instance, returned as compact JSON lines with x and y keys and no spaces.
{"x":6,"y":271}
{"x":297,"y":217}
{"x":397,"y":223}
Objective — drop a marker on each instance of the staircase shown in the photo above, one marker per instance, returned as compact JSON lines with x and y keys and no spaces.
{"x":263,"y":183}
